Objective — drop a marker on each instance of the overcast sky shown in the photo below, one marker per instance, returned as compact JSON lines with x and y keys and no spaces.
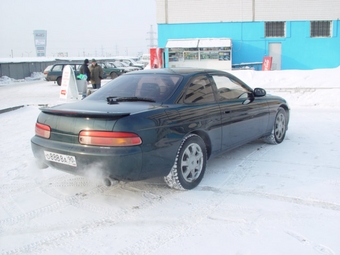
{"x":79,"y":27}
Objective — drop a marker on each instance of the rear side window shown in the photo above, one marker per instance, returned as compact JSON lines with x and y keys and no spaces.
{"x":57,"y":68}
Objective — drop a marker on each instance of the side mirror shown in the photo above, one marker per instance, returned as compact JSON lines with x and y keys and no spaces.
{"x":258,"y":92}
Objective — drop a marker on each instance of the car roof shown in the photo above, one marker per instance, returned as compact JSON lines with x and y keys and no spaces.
{"x":179,"y":70}
{"x":73,"y":63}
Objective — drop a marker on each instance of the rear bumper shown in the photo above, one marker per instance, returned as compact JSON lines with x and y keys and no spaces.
{"x":121,"y":163}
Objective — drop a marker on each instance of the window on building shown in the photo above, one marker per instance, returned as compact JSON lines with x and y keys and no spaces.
{"x":275,"y":29}
{"x":320,"y":28}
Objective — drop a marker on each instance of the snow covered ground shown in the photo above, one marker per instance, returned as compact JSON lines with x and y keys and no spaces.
{"x":257,"y":199}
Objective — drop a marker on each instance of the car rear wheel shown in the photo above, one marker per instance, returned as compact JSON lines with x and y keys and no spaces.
{"x":113,"y":75}
{"x":279,"y":129}
{"x":190,"y":164}
{"x":59,"y":81}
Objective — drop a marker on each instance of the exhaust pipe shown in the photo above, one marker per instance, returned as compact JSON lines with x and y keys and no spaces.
{"x":109,"y":182}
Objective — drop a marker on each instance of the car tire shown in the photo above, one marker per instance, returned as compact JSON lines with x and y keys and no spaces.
{"x":279,"y":129}
{"x":113,"y":75}
{"x":190,"y":164}
{"x":59,"y":81}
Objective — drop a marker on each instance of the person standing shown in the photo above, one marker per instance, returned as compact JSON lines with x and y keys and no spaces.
{"x":84,"y":69}
{"x":96,"y":74}
{"x":84,"y":78}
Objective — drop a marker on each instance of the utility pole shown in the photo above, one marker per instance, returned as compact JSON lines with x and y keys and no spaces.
{"x":151,"y":38}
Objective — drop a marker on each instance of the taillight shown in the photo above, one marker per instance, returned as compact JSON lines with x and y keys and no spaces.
{"x":106,"y":138}
{"x":42,"y":130}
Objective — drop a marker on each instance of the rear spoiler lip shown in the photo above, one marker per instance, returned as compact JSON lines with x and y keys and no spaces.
{"x":92,"y":114}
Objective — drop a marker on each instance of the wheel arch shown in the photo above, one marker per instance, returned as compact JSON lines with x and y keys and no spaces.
{"x":286,"y":108}
{"x":59,"y":78}
{"x":206,"y":139}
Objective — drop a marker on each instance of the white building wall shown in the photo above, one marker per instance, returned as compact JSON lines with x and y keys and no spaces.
{"x":193,"y":11}
{"x":291,"y":10}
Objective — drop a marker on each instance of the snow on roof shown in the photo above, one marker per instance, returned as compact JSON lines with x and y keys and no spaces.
{"x":27,"y":59}
{"x":182,"y":43}
{"x":198,"y":42}
{"x":44,"y":59}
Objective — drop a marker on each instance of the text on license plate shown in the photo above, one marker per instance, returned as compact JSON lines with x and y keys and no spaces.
{"x":60,"y":158}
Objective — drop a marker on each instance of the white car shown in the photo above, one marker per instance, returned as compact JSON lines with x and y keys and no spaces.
{"x":130,"y":62}
{"x":144,"y":59}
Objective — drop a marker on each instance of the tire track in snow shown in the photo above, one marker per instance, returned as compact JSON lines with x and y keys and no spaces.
{"x":199,"y":211}
{"x":52,"y":241}
{"x":16,"y":189}
{"x":289,"y":199}
{"x":318,"y":247}
{"x":47,"y":186}
{"x":71,"y":200}
{"x":146,"y":245}
{"x":67,"y":238}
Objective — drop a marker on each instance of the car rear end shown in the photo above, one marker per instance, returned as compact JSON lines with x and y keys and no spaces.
{"x":46,"y":71}
{"x":82,"y":143}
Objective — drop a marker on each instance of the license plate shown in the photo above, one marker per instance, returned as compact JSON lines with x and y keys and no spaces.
{"x":60,"y":158}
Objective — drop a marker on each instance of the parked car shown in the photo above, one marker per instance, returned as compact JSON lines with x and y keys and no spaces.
{"x":47,"y":70}
{"x":56,"y":71}
{"x":130,"y":62}
{"x":144,"y":59}
{"x":158,"y":122}
{"x":125,"y":68}
{"x":126,"y":64}
{"x":111,"y":71}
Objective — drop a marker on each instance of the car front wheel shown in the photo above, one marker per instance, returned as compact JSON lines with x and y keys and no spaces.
{"x":279,"y":129}
{"x":190,"y":164}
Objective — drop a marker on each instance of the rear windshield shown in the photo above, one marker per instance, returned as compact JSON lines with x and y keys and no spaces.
{"x":157,"y":87}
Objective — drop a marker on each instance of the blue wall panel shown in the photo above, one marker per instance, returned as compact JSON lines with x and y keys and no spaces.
{"x":299,"y":51}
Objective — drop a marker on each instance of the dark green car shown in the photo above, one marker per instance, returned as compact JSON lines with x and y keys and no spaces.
{"x":164,"y":122}
{"x":55,"y":73}
{"x":111,"y":71}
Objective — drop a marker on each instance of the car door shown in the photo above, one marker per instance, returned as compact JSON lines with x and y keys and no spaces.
{"x":55,"y":72}
{"x":199,"y":111}
{"x":76,"y":68}
{"x":244,"y":117}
